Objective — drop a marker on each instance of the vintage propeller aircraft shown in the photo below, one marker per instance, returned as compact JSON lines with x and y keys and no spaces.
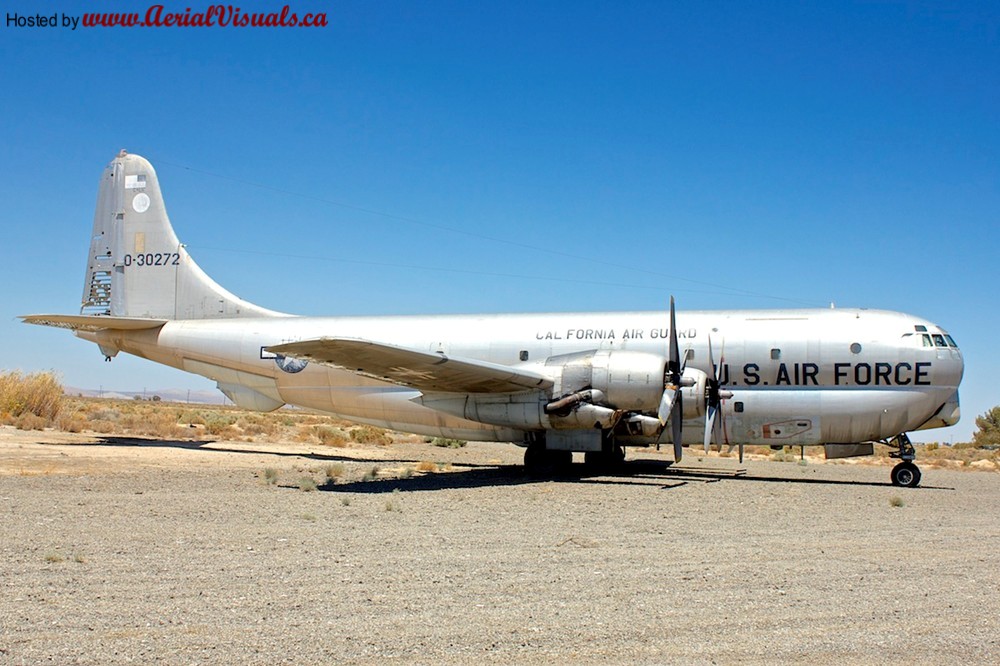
{"x":553,"y":383}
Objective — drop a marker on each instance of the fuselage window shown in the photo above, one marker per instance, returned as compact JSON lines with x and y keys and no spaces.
{"x":939,"y":340}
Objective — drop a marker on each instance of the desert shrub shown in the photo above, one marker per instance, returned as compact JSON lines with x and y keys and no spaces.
{"x":371,"y":474}
{"x":191,"y":417}
{"x":29,"y":421}
{"x":448,"y":443}
{"x":270,"y":476}
{"x":39,"y":394}
{"x":426,"y":466}
{"x":104,"y":415}
{"x":393,"y":504}
{"x":221,"y":425}
{"x":152,"y":423}
{"x":329,"y":435}
{"x":256,"y":424}
{"x":334,"y":470}
{"x":307,"y":484}
{"x":104,"y":427}
{"x":71,"y":422}
{"x":370,"y":435}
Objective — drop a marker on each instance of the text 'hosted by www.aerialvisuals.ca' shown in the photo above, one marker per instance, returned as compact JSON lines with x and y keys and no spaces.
{"x":159,"y":16}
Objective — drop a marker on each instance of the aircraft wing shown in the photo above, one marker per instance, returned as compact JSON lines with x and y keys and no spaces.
{"x":93,"y":322}
{"x":424,"y":371}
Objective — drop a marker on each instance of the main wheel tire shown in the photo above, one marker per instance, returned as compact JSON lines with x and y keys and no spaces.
{"x":905,"y":474}
{"x":534,"y":459}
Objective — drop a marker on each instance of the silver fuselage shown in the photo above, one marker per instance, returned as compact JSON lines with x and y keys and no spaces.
{"x":798,"y":377}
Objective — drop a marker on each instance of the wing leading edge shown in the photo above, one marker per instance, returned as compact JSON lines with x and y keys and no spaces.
{"x":424,"y":371}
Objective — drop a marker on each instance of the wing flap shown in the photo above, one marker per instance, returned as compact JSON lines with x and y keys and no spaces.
{"x":424,"y":371}
{"x":93,"y":322}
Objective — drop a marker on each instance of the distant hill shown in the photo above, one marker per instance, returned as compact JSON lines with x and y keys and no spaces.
{"x":209,"y":397}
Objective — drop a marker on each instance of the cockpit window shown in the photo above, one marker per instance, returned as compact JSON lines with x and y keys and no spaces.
{"x":951,"y":340}
{"x":939,"y":340}
{"x":927,"y":340}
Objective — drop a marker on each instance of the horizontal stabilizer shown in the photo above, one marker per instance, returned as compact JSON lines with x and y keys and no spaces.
{"x":424,"y":371}
{"x":93,"y":322}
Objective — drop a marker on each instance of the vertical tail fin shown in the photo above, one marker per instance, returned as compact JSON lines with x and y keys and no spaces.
{"x":136,"y":266}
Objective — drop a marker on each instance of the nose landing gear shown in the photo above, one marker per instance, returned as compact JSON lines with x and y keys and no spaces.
{"x":906,"y":473}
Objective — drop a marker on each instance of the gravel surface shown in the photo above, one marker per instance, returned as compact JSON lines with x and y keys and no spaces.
{"x":130,"y":551}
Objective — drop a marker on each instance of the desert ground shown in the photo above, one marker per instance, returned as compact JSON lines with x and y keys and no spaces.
{"x":121,"y":549}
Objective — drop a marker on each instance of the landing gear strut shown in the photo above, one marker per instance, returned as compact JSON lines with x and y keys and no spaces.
{"x":906,"y":473}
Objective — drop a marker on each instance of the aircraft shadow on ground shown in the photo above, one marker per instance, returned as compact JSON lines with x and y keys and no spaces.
{"x":209,"y":446}
{"x":651,"y":473}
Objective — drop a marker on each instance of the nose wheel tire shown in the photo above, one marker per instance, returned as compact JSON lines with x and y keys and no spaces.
{"x":905,"y":474}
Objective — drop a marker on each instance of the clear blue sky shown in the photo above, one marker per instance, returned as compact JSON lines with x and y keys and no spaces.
{"x":523,"y":156}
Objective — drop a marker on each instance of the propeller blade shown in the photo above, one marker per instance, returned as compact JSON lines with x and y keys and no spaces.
{"x":674,"y":356}
{"x":676,"y":414}
{"x":711,"y":359}
{"x":666,"y":404}
{"x":710,"y":425}
{"x":741,"y":453}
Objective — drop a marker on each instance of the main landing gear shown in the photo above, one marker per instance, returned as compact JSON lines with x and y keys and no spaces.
{"x":542,"y":461}
{"x":906,"y":473}
{"x":610,"y":458}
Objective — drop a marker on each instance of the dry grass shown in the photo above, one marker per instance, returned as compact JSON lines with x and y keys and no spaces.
{"x":367,"y":434}
{"x":38,"y":395}
{"x":330,"y":436}
{"x":165,"y":420}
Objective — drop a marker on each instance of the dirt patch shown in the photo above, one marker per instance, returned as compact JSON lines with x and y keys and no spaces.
{"x":119,"y":550}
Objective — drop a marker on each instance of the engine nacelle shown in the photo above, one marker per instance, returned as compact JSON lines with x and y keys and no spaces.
{"x":693,"y":393}
{"x":590,"y":390}
{"x":631,"y":381}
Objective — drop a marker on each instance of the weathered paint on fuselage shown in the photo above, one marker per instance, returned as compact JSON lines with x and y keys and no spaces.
{"x":794,"y":375}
